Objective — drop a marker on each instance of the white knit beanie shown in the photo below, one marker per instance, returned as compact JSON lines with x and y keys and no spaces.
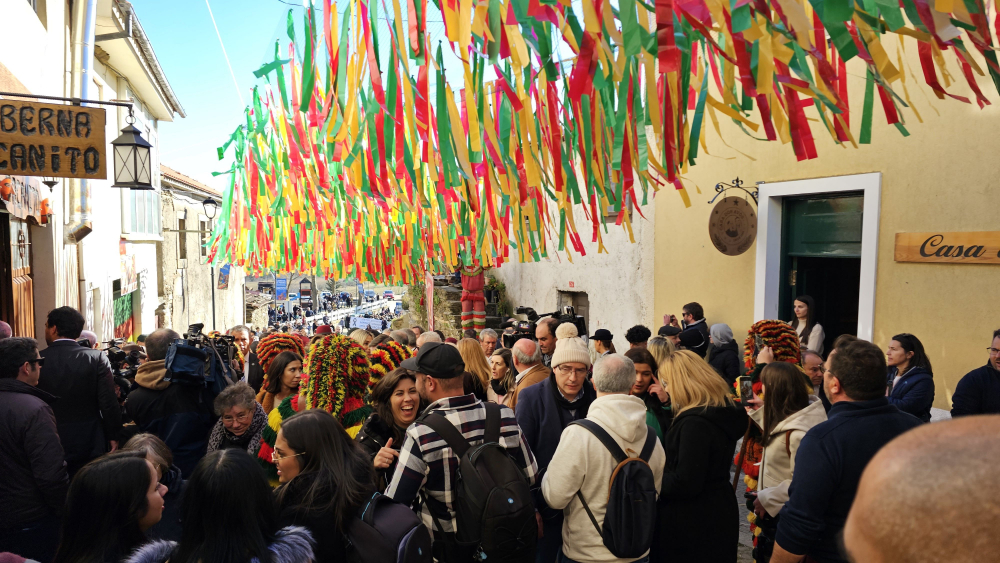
{"x":569,"y":347}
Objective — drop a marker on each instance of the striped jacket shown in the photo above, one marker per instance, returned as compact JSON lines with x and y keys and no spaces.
{"x":427,"y":464}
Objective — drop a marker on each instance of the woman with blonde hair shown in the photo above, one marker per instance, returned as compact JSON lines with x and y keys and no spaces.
{"x":697,"y":508}
{"x":361,"y":336}
{"x":503,"y":377}
{"x":660,"y":347}
{"x":475,"y":361}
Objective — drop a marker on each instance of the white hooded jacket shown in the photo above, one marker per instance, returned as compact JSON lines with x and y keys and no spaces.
{"x":582,"y":463}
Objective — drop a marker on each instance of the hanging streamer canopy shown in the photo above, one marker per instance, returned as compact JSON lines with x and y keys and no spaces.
{"x":364,"y":165}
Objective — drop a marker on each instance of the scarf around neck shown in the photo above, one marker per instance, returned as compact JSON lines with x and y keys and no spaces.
{"x":249,"y":439}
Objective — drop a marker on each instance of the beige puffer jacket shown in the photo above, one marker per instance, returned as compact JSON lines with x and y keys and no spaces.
{"x":778,"y":462}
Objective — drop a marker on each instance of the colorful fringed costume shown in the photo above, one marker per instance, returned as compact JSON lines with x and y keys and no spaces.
{"x":473,"y":300}
{"x":384,"y":358}
{"x":335,"y":379}
{"x":267,"y":349}
{"x":784,"y":344}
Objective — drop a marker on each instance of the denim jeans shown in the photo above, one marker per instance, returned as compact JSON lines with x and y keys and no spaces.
{"x":564,"y":559}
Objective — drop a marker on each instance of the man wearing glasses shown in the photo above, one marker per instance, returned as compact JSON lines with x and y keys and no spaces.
{"x":34,"y":483}
{"x":979,"y":391}
{"x":543,"y":411}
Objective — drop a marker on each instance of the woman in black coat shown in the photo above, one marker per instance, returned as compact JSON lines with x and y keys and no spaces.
{"x":698,"y":518}
{"x":724,"y":355}
{"x":169,"y":475}
{"x":397,"y":405}
{"x":325,"y":479}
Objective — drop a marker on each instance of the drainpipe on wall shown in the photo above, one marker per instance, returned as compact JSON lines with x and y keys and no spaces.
{"x":84,"y":22}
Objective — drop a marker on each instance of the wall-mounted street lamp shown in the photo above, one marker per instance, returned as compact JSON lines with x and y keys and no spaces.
{"x":131,"y":158}
{"x":211,"y":208}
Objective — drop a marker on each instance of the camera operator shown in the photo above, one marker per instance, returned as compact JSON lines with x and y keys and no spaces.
{"x":88,"y":416}
{"x":545,"y":333}
{"x":180,"y":415}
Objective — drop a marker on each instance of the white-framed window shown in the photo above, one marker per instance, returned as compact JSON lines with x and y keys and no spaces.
{"x":182,"y":237}
{"x":141,"y":209}
{"x":141,"y":214}
{"x":205,"y":229}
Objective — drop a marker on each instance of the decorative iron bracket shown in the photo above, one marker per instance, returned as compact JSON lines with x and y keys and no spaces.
{"x":737,"y":184}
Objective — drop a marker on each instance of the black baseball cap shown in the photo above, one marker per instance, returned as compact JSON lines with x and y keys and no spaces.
{"x":602,"y":334}
{"x":668,"y":330}
{"x":436,"y":359}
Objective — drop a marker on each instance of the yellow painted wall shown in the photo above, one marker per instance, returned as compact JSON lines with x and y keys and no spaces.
{"x":943,"y":177}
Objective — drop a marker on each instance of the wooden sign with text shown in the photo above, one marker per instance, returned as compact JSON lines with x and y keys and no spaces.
{"x":981,"y":247}
{"x":39,"y":139}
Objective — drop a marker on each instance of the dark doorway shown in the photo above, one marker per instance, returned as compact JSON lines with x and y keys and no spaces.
{"x":821,"y":257}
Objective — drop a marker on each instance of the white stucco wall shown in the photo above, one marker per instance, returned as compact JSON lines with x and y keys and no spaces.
{"x":619,"y":283}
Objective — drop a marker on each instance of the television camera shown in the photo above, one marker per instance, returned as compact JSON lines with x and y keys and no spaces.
{"x":526,"y":329}
{"x":201,"y":360}
{"x":123,"y":366}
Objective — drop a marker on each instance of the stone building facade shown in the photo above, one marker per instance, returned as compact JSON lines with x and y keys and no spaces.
{"x":187,"y":282}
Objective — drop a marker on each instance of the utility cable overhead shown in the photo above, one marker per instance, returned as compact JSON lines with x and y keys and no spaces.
{"x":224,"y":54}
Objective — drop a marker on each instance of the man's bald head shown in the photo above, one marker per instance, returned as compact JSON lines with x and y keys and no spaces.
{"x":526,"y":353}
{"x":928,"y":496}
{"x":158,"y":342}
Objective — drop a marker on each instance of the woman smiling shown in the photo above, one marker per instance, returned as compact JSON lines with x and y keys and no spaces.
{"x":397,"y":405}
{"x":241,"y":420}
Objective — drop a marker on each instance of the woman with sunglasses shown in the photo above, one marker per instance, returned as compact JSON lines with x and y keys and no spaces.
{"x":324,"y":479}
{"x":909,"y":383}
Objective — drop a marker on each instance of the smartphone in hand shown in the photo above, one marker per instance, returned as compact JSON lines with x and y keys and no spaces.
{"x":746,"y":390}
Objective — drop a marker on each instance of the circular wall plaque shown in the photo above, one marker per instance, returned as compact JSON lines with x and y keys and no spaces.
{"x":733,"y":226}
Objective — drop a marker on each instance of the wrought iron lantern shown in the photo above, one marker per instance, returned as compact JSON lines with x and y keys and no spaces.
{"x":132,"y":159}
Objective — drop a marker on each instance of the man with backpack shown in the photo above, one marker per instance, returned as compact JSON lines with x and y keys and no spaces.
{"x":459,"y":454}
{"x":606,"y":473}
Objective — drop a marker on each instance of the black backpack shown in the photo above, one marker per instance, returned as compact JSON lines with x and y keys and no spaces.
{"x":631,"y":514}
{"x":384,"y":531}
{"x":492,"y":502}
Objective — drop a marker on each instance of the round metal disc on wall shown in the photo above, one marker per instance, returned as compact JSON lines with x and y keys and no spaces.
{"x":732,"y":226}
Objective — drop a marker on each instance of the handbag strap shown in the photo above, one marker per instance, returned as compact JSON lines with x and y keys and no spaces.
{"x":604,"y":437}
{"x":447,"y":431}
{"x":492,"y":433}
{"x":591,"y":514}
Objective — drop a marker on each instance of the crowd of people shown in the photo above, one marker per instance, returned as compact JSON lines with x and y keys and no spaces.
{"x":410,"y":445}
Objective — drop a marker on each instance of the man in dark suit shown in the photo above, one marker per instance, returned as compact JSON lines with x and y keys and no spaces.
{"x":88,"y":416}
{"x":254,"y":371}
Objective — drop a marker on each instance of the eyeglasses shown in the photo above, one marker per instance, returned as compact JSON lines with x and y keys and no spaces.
{"x":39,"y":361}
{"x":276,"y":457}
{"x":566,"y":370}
{"x":242,"y":417}
{"x":993,"y":351}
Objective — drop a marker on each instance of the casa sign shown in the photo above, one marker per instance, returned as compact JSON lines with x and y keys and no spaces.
{"x":52,"y":140}
{"x":981,"y":247}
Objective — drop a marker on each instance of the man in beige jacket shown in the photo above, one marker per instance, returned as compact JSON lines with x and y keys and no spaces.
{"x":582,"y":463}
{"x":527,"y":356}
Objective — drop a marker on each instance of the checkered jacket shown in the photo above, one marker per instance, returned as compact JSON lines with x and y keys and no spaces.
{"x":427,"y":463}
